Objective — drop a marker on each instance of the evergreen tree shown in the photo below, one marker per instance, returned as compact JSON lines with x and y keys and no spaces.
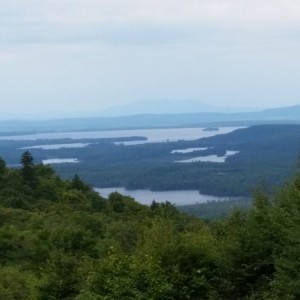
{"x":2,"y":166}
{"x":27,"y":170}
{"x":78,"y":184}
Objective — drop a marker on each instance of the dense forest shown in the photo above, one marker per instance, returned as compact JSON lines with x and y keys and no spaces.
{"x":153,"y":166}
{"x":216,"y":209}
{"x":60,"y":240}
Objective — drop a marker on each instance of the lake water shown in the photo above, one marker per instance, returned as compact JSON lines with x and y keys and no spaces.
{"x":209,"y":158}
{"x":177,"y":197}
{"x":58,"y":146}
{"x":51,"y":161}
{"x":152,"y":135}
{"x":188,"y":150}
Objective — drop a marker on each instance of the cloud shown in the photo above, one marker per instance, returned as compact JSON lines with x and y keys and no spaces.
{"x":155,"y":11}
{"x":61,"y":52}
{"x":75,"y":26}
{"x":137,"y":21}
{"x":6,"y":57}
{"x":144,"y":34}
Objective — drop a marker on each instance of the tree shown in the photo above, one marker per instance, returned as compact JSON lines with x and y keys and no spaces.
{"x":27,"y":170}
{"x":78,"y":184}
{"x":286,"y":216}
{"x":2,"y":166}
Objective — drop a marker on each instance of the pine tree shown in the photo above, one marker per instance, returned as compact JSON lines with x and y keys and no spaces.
{"x":27,"y":170}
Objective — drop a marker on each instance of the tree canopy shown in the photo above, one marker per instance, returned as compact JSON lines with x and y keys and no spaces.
{"x":59,"y":239}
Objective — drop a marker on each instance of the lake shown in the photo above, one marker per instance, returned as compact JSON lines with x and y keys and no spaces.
{"x":188,"y":150}
{"x":57,"y":146}
{"x":177,"y":197}
{"x":209,"y":158}
{"x":152,"y":135}
{"x":52,"y":161}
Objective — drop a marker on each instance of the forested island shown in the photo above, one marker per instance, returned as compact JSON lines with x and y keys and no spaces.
{"x":60,"y":240}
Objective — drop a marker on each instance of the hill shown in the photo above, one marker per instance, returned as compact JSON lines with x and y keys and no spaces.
{"x":61,"y":240}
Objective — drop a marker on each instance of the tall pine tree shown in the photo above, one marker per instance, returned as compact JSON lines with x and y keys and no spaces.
{"x":27,"y":170}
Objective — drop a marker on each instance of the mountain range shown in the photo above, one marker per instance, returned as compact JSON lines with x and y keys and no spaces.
{"x":277,"y":115}
{"x":168,"y":107}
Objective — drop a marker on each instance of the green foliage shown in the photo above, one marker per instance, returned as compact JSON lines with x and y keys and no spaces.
{"x":27,"y":170}
{"x":214,"y":210}
{"x":286,"y":219}
{"x":16,"y":284}
{"x":2,"y":166}
{"x":61,"y":240}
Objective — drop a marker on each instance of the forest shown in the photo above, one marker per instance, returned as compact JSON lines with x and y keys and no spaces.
{"x":153,"y":166}
{"x":61,"y":240}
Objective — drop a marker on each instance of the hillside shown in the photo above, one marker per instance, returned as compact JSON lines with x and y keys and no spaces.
{"x":60,"y":240}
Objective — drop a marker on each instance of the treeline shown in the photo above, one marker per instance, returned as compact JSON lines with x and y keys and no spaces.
{"x":61,"y":240}
{"x":217,"y":209}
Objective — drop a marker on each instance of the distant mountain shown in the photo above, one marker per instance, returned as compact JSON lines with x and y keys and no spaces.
{"x":166,"y":107}
{"x":129,"y":109}
{"x":291,"y":112}
{"x":269,"y":116}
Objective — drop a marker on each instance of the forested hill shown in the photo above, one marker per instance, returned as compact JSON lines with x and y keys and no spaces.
{"x":61,"y":240}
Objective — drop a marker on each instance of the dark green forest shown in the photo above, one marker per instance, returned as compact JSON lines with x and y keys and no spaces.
{"x":60,"y":240}
{"x":153,"y":166}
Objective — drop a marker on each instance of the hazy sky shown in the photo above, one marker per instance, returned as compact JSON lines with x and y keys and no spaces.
{"x":87,"y":55}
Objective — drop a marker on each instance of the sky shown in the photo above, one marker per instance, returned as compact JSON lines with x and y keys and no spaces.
{"x":73,"y":57}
